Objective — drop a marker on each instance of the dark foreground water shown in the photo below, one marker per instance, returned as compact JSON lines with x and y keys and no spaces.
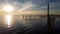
{"x":26,"y":25}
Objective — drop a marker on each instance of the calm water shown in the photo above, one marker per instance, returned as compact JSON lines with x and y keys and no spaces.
{"x":18,"y":24}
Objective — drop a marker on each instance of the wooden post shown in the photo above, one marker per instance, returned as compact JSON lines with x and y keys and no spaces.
{"x":50,"y":21}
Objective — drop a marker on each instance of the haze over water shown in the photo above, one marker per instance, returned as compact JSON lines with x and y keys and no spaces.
{"x":26,"y":24}
{"x":24,"y":16}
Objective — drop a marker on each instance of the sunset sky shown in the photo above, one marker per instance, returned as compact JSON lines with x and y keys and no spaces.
{"x":31,"y":6}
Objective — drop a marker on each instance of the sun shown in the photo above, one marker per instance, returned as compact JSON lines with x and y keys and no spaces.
{"x":8,"y":8}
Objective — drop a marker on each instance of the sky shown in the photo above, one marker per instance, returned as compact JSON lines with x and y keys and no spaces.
{"x":34,"y":5}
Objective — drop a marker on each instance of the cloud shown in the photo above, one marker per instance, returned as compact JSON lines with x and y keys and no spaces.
{"x":54,"y":4}
{"x":1,"y":0}
{"x":23,"y":5}
{"x":26,"y":5}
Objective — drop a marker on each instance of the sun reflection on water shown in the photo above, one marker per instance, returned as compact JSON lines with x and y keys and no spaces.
{"x":8,"y":20}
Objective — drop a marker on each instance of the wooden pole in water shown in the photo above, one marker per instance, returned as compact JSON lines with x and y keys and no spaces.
{"x":48,"y":19}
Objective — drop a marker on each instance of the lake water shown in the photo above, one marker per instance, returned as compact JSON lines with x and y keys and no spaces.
{"x":18,"y":24}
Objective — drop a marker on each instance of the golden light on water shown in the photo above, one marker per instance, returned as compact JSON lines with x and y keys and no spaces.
{"x":8,"y":20}
{"x":8,"y":8}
